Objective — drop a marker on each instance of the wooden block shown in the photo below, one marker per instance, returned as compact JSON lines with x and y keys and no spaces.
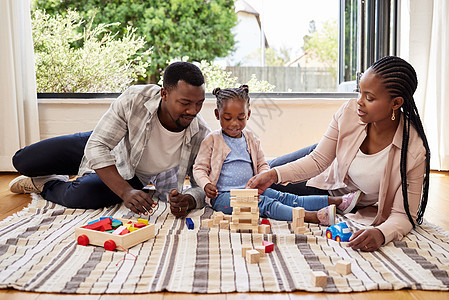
{"x":255,"y":228}
{"x":218,"y":213}
{"x":207,"y":223}
{"x":243,"y":192}
{"x":144,"y":221}
{"x":252,"y":256}
{"x":264,"y":228}
{"x":140,"y":225}
{"x":298,"y":212}
{"x":269,"y":246}
{"x":319,"y":279}
{"x":343,"y":267}
{"x":298,"y":222}
{"x":217,"y":219}
{"x":261,"y":250}
{"x":227,"y":218}
{"x":265,"y":221}
{"x":246,"y":248}
{"x":235,"y":203}
{"x":300,"y":230}
{"x":224,"y":224}
{"x":189,"y":223}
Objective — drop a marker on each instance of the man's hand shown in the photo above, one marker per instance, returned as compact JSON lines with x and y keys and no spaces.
{"x":210,"y":190}
{"x":262,"y":181}
{"x":180,"y":204}
{"x":367,"y":240}
{"x":138,"y":201}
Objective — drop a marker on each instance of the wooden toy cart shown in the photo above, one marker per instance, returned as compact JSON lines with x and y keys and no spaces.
{"x":111,"y":241}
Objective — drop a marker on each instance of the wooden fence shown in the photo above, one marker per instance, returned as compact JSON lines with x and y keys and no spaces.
{"x":289,"y":79}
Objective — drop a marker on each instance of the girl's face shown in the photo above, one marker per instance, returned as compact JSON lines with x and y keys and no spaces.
{"x":374,"y":102}
{"x":233,"y":116}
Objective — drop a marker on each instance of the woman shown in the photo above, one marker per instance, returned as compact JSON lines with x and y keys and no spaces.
{"x":377,"y":144}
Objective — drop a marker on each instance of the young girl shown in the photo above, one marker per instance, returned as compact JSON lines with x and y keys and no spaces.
{"x":229,"y":157}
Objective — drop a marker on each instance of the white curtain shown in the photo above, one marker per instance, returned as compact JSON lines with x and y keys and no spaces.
{"x":428,"y":53}
{"x":436,"y":109}
{"x":19,"y":122}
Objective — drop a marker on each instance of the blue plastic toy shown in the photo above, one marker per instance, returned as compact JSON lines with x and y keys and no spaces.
{"x":189,"y":223}
{"x":339,"y":232}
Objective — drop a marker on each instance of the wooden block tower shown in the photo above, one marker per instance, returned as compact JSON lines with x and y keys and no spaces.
{"x":245,"y":210}
{"x":298,"y":214}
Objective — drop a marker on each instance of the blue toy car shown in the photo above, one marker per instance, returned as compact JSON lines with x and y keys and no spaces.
{"x":339,"y":232}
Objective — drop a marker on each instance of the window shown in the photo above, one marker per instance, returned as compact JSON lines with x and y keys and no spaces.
{"x":368,"y":31}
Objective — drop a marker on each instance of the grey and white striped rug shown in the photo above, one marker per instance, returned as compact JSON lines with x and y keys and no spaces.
{"x":38,"y":253}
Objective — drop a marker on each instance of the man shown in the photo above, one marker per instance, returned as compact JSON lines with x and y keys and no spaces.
{"x":149,"y":135}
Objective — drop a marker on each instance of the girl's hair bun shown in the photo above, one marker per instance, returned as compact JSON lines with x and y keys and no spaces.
{"x":244,"y":87}
{"x":215,"y":91}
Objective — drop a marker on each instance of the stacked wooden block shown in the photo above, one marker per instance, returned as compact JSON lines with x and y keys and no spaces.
{"x":245,"y":210}
{"x":218,"y":219}
{"x":298,"y":214}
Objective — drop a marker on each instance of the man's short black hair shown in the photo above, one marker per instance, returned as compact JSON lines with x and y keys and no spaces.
{"x":184,"y":71}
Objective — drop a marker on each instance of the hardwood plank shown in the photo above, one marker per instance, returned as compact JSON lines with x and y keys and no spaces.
{"x":174,"y":296}
{"x":257,"y":296}
{"x":51,"y":296}
{"x":154,"y":296}
{"x":10,"y":294}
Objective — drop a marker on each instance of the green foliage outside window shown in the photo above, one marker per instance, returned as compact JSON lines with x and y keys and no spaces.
{"x":323,"y":44}
{"x":198,"y":29}
{"x":103,"y":62}
{"x":215,"y":76}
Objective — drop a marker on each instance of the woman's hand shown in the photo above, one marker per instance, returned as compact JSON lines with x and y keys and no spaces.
{"x":262,"y":181}
{"x":367,"y":240}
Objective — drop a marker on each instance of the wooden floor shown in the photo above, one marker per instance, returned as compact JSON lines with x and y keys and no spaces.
{"x":437,"y":212}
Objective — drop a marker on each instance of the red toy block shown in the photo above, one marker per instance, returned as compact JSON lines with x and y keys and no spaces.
{"x":139,"y":225}
{"x":124,"y":231}
{"x":269,"y":246}
{"x":265,"y":221}
{"x":99,"y":224}
{"x":105,"y":227}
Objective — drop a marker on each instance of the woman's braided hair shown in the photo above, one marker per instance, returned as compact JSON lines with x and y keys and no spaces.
{"x":231,"y":93}
{"x":400,"y":80}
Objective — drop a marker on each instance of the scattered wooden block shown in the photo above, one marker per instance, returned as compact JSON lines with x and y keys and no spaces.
{"x":343,"y":267}
{"x":269,"y":246}
{"x":252,"y":256}
{"x":224,"y":224}
{"x":266,"y":222}
{"x":189,"y":223}
{"x":246,"y":248}
{"x":264,"y":228}
{"x":300,"y":230}
{"x":261,"y":250}
{"x":319,"y":279}
{"x":207,"y":223}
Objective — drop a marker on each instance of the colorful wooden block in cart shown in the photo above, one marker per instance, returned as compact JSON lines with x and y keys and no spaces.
{"x":85,"y":236}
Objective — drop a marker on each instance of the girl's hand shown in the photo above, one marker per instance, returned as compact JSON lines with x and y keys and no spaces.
{"x":367,"y":240}
{"x":211,"y":190}
{"x":262,"y":181}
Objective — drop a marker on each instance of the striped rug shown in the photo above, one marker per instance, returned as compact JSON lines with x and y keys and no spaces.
{"x":38,"y":253}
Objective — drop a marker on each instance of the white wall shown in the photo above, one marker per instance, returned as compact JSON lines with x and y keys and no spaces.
{"x":283,"y":125}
